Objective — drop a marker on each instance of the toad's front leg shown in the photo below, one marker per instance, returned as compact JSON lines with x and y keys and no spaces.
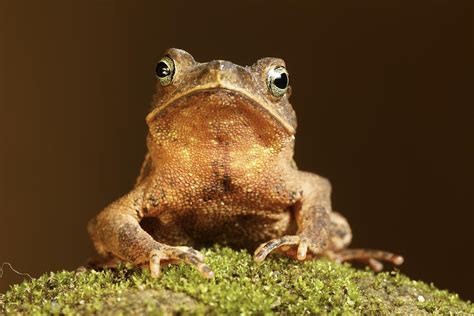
{"x":323,"y":232}
{"x":117,"y":231}
{"x":312,"y":218}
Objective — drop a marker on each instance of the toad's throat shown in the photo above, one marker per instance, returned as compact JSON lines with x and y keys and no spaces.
{"x":211,"y":96}
{"x":220,"y":117}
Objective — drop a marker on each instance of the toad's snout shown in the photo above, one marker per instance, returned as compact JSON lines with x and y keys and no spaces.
{"x":224,"y":74}
{"x":220,"y":65}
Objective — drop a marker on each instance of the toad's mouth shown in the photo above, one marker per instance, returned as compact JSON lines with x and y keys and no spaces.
{"x":211,"y":97}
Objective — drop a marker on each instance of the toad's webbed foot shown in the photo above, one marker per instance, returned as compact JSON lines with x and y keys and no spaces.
{"x":170,"y":254}
{"x":370,"y":257}
{"x":295,"y":246}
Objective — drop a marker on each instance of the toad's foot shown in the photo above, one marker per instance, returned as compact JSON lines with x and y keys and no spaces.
{"x":298,"y":246}
{"x":368,"y":256}
{"x":171,"y":254}
{"x":295,"y":246}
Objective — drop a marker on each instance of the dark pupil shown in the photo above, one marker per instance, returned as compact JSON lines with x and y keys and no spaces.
{"x":281,"y":81}
{"x":162,"y":70}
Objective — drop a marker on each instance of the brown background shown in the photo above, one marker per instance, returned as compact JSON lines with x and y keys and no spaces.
{"x":383,"y":93}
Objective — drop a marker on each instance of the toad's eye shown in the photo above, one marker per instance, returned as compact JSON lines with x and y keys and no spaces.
{"x":278,"y":81}
{"x":165,"y":70}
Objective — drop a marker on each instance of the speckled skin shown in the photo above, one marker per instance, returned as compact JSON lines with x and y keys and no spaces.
{"x":220,"y":169}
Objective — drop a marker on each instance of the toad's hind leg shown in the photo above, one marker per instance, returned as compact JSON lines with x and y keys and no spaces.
{"x":340,"y":234}
{"x":340,"y":238}
{"x":371,"y":257}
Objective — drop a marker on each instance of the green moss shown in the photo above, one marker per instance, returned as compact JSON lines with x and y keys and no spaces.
{"x":240,"y":286}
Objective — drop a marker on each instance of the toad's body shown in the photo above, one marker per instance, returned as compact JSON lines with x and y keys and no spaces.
{"x":223,"y":175}
{"x":220,"y":169}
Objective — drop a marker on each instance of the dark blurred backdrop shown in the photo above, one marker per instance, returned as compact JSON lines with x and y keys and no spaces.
{"x":383,"y":93}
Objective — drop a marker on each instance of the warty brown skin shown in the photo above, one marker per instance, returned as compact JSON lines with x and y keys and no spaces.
{"x":220,"y":169}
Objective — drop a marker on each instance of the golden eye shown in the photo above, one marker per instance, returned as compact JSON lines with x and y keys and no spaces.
{"x":165,"y":70}
{"x":278,"y":81}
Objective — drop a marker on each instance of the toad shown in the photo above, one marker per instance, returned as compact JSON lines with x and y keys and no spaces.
{"x":220,"y":169}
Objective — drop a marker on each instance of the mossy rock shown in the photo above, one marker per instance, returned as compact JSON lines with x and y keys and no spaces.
{"x":240,"y":286}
